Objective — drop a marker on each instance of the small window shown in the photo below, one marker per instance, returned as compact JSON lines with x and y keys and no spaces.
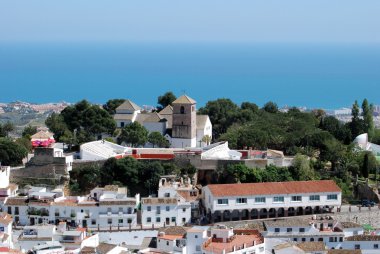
{"x":184,"y":210}
{"x":241,"y":201}
{"x":314,"y":198}
{"x":278,"y":199}
{"x":289,"y":230}
{"x":277,"y":230}
{"x":93,"y":222}
{"x":167,"y":208}
{"x":158,"y":219}
{"x":122,"y":124}
{"x":148,"y":219}
{"x":198,"y":248}
{"x":376,"y":246}
{"x":149,"y":208}
{"x":196,"y":236}
{"x":167,"y":243}
{"x":182,"y":110}
{"x":357,"y":246}
{"x":223,"y":201}
{"x":295,"y":239}
{"x":173,"y":219}
{"x":109,"y":221}
{"x":296,"y":198}
{"x":332,"y":197}
{"x":260,"y":200}
{"x":302,"y":230}
{"x":120,"y":221}
{"x":183,"y":220}
{"x":303,"y":239}
{"x":320,"y":239}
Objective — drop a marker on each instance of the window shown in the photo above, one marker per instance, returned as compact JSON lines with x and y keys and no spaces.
{"x":278,"y":199}
{"x":173,"y":219}
{"x":122,"y":124}
{"x":376,"y":246}
{"x":109,"y":221}
{"x":167,"y":208}
{"x":167,"y":195}
{"x":340,"y":239}
{"x":241,"y":201}
{"x":9,"y":210}
{"x":184,"y":210}
{"x":296,"y":198}
{"x":314,"y":198}
{"x":16,"y":210}
{"x":120,"y":221}
{"x":295,"y":239}
{"x":303,"y":239}
{"x":148,"y":219}
{"x":158,"y":211}
{"x":331,"y":239}
{"x":182,"y":110}
{"x":357,"y":246}
{"x":311,"y":239}
{"x":109,"y":210}
{"x":158,"y":219}
{"x":302,"y":230}
{"x":260,"y":200}
{"x":223,"y":201}
{"x":167,"y":242}
{"x":149,"y":208}
{"x":120,"y":209}
{"x":93,"y":222}
{"x":277,"y":230}
{"x":320,"y":239}
{"x":198,"y":248}
{"x":289,"y":230}
{"x":332,"y":197}
{"x":183,"y":220}
{"x":196,"y":236}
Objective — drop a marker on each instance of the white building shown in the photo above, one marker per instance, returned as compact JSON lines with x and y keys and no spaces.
{"x":7,"y":189}
{"x":225,"y":240}
{"x":104,"y":208}
{"x":6,"y":235}
{"x":178,"y":122}
{"x":271,"y":199}
{"x":173,"y":206}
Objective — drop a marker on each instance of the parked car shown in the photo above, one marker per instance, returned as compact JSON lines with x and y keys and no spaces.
{"x":368,"y":203}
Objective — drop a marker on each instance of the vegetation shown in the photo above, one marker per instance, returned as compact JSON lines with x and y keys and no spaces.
{"x":139,"y":176}
{"x":165,"y":100}
{"x":11,"y":153}
{"x":157,"y":139}
{"x":111,"y":105}
{"x":134,"y":134}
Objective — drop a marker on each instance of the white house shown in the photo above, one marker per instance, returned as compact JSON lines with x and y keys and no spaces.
{"x":225,"y":240}
{"x":6,"y":236}
{"x":7,"y":189}
{"x":271,"y":199}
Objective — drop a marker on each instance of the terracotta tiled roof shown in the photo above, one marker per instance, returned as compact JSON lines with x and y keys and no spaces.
{"x":363,"y":238}
{"x":338,"y":251}
{"x":168,"y":110}
{"x":104,"y":248}
{"x":184,"y":99}
{"x":170,"y":237}
{"x":20,"y":201}
{"x":117,"y":202}
{"x":175,"y":230}
{"x":289,"y":222}
{"x":348,"y":224}
{"x":128,"y":105}
{"x":271,"y":188}
{"x":311,"y":246}
{"x":5,"y":218}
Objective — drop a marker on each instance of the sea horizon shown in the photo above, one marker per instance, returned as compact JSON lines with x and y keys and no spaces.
{"x":315,"y":76}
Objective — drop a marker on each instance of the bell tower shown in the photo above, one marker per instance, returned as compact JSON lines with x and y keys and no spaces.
{"x":184,"y":122}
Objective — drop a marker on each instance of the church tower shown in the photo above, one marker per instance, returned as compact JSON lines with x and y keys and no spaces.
{"x":184,"y":125}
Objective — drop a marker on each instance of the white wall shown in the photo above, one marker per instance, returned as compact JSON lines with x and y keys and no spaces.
{"x":212,"y":203}
{"x":4,"y":176}
{"x":183,"y":143}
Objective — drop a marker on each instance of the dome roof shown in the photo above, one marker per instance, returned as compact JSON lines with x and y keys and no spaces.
{"x":362,"y":140}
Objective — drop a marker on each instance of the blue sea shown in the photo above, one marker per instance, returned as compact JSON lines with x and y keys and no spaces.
{"x":326,"y":76}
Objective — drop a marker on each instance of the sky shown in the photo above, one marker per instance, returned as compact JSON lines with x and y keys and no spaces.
{"x":266,"y":21}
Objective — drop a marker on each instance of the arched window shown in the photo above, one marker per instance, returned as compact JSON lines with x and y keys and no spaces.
{"x":182,"y":110}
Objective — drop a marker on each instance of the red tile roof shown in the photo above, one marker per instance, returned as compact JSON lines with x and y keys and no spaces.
{"x":271,"y":188}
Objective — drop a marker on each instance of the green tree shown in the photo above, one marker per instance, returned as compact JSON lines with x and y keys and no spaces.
{"x":134,"y":134}
{"x":7,"y":128}
{"x":157,"y":139}
{"x":222,"y":113}
{"x":29,"y":131}
{"x":166,"y":99}
{"x":11,"y":153}
{"x":302,"y":168}
{"x":206,"y":139}
{"x":271,"y":107}
{"x":25,"y":142}
{"x":250,"y":106}
{"x":369,"y":164}
{"x":111,"y":105}
{"x":367,"y":114}
{"x":84,"y":178}
{"x":356,"y":124}
{"x":55,"y":122}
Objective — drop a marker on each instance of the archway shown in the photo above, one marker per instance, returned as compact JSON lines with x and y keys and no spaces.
{"x":245,"y":214}
{"x":263,"y":213}
{"x":281,"y":212}
{"x":254,"y":214}
{"x":300,"y":211}
{"x":272,"y":213}
{"x":308,"y":210}
{"x":235,"y":215}
{"x":317,"y":209}
{"x":226,"y":215}
{"x":291,"y":211}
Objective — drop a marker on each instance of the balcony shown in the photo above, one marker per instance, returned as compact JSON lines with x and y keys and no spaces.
{"x":37,"y":212}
